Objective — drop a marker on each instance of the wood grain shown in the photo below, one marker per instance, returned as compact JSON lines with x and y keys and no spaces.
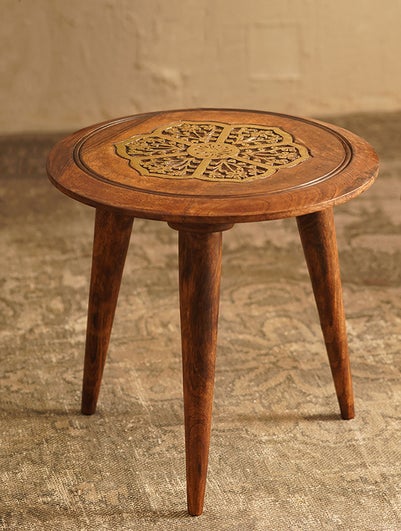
{"x":92,"y":167}
{"x":86,"y":167}
{"x":199,"y":280}
{"x":318,"y":237}
{"x":110,"y":244}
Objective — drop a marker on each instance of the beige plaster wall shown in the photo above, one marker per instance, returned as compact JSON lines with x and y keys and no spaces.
{"x":68,"y":63}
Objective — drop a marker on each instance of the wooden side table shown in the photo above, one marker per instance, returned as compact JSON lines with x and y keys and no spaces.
{"x":202,"y":171}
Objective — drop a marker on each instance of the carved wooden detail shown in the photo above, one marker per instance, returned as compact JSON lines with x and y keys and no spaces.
{"x":212,"y":151}
{"x":339,"y":166}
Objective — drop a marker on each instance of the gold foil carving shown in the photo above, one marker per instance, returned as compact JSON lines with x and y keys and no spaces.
{"x":212,"y":151}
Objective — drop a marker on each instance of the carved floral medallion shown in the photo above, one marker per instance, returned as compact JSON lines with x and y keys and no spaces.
{"x":212,"y":151}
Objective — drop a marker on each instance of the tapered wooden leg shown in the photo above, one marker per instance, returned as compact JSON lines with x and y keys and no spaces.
{"x":200,"y":267}
{"x":318,"y":238}
{"x":110,"y":244}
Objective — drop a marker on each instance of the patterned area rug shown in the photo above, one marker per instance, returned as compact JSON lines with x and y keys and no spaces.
{"x":281,"y":458}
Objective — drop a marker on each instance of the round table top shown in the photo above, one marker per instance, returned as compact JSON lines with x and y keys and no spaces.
{"x":213,"y":166}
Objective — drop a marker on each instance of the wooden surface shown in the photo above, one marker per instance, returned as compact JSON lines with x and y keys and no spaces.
{"x":87,"y":166}
{"x":202,"y":171}
{"x":199,"y":275}
{"x":318,"y":237}
{"x":110,"y":244}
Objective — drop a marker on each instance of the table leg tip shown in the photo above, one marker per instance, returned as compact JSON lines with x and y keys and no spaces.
{"x":348,"y":413}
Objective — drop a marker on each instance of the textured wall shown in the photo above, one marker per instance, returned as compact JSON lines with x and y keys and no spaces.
{"x":67,"y":63}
